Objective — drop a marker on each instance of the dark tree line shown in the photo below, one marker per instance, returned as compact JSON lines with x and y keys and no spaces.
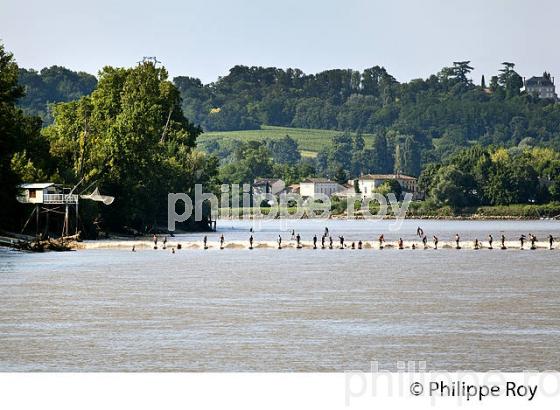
{"x":128,"y":137}
{"x":488,"y":176}
{"x":439,"y":114}
{"x":52,"y":85}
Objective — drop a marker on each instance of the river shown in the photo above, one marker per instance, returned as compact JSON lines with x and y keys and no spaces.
{"x":287,"y":310}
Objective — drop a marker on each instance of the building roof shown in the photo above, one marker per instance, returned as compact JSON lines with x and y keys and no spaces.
{"x":387,"y":176}
{"x":539,"y":82}
{"x":265,"y":181}
{"x":318,"y":181}
{"x":345,"y":192}
{"x":37,"y":185}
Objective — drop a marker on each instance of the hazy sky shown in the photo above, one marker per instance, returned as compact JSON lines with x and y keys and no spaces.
{"x":411,"y":38}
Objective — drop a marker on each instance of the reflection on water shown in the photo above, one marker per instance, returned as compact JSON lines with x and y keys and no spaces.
{"x":291,"y":310}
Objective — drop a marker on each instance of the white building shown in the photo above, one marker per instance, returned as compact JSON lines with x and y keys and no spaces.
{"x":369,"y":183}
{"x":311,"y":187}
{"x":45,"y":193}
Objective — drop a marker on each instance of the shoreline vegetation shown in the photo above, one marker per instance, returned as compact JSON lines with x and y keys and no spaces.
{"x":115,"y":240}
{"x":423,"y":210}
{"x":135,"y":134}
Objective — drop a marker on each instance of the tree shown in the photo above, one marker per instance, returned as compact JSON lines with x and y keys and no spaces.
{"x":390,"y":186}
{"x":510,"y":80}
{"x":131,"y":137}
{"x":52,"y":85}
{"x":16,"y":131}
{"x":340,"y":175}
{"x":358,"y":163}
{"x":252,"y":160}
{"x":494,"y":84}
{"x":427,"y":179}
{"x":460,"y":71}
{"x":454,"y":187}
{"x":411,"y":157}
{"x":398,"y":159}
{"x":512,"y":180}
{"x":381,"y":162}
{"x":284,"y":150}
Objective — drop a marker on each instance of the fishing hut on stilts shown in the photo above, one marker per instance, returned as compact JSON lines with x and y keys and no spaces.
{"x":49,"y":199}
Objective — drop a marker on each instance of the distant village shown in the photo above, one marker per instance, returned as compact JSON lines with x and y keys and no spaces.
{"x":542,"y":87}
{"x":313,"y":188}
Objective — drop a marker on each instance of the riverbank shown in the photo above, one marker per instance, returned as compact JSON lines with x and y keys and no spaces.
{"x":420,"y":210}
{"x":425,"y":210}
{"x":265,"y":233}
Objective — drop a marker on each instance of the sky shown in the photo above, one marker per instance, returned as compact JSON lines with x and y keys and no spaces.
{"x":204,"y":39}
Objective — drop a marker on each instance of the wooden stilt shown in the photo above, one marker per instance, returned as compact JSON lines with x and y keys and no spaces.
{"x":37,"y":210}
{"x":47,"y":222}
{"x":77,"y":216}
{"x":65,"y":227}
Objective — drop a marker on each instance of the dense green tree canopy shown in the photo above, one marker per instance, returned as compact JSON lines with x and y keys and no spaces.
{"x":481,"y":176}
{"x":52,"y":85}
{"x":128,"y":132}
{"x":129,"y":137}
{"x":427,"y":119}
{"x":18,"y":133}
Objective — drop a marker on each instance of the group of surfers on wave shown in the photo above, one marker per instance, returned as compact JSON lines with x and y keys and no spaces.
{"x":327,"y":241}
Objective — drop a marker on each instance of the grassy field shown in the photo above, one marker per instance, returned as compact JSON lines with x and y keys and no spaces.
{"x":310,"y":141}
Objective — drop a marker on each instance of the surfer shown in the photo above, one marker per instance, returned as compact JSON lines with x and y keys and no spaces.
{"x":401,"y":243}
{"x":533,"y":239}
{"x":381,"y":240}
{"x":457,"y":239}
{"x":205,"y":240}
{"x":341,"y":239}
{"x":436,"y":240}
{"x":419,"y":232}
{"x":503,"y":241}
{"x":476,"y":244}
{"x":359,"y":244}
{"x":279,"y":242}
{"x":251,"y":242}
{"x":490,"y":241}
{"x":222,"y":241}
{"x":314,"y":241}
{"x":425,"y":242}
{"x":550,"y":241}
{"x":298,"y":239}
{"x":522,"y":240}
{"x":330,"y":242}
{"x":323,"y":241}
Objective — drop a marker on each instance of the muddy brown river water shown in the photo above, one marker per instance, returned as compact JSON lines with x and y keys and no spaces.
{"x":289,"y":310}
